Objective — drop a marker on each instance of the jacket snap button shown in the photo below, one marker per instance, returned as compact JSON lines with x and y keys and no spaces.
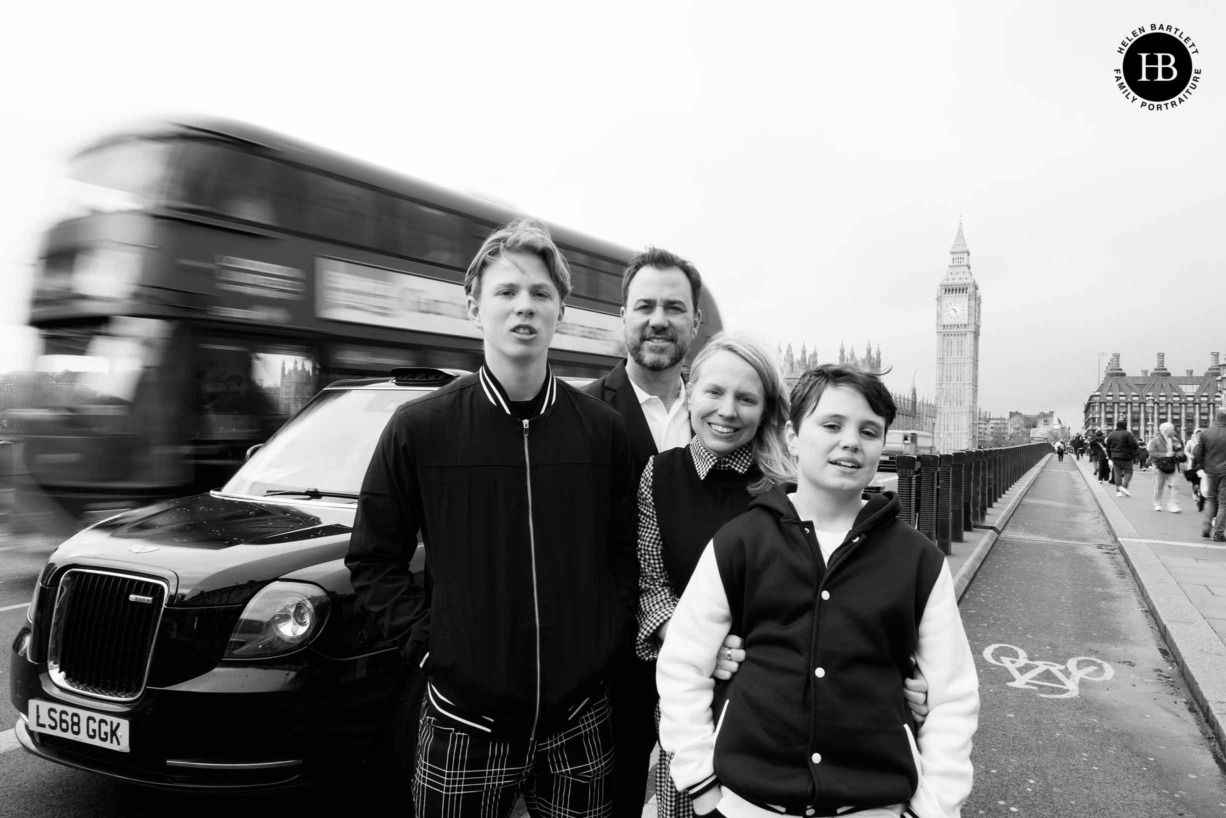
{"x":820,"y":672}
{"x":825,"y":595}
{"x":816,"y":758}
{"x":810,"y":811}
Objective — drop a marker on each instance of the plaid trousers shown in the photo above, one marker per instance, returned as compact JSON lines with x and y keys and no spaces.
{"x":462,"y":772}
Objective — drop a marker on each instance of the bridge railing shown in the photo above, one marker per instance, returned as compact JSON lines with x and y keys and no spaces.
{"x":945,"y":496}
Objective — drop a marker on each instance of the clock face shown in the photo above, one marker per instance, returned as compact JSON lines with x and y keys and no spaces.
{"x":955,"y":312}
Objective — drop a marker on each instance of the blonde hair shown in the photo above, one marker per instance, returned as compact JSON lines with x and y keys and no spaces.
{"x":520,"y":236}
{"x":769,"y":447}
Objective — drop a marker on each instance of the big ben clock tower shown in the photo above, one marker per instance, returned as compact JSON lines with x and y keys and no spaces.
{"x":958,"y":315}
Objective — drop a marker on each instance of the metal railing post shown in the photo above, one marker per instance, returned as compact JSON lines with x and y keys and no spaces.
{"x":944,"y":502}
{"x":960,"y":509}
{"x":927,"y":522}
{"x":906,"y":488}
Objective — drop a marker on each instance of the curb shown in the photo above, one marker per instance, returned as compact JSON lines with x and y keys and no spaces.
{"x":968,"y":569}
{"x":1194,"y":646}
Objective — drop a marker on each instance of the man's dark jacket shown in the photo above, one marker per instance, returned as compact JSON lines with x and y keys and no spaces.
{"x":529,"y":527}
{"x":1121,"y":445}
{"x":1213,"y":448}
{"x":616,"y":390}
{"x":634,"y":686}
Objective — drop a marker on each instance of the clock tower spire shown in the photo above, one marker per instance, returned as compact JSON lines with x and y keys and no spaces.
{"x":958,"y":321}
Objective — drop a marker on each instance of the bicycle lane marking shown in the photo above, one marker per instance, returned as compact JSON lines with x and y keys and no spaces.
{"x":1096,"y":670}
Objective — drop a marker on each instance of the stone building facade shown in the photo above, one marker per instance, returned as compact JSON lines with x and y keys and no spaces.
{"x":1145,"y":401}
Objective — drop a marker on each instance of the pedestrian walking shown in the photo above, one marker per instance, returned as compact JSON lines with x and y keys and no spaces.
{"x":520,"y":489}
{"x":1213,"y":484}
{"x":1122,"y":450}
{"x":1166,"y":450}
{"x":1193,"y":472}
{"x":805,"y":570}
{"x":1098,"y":456}
{"x":1060,"y":450}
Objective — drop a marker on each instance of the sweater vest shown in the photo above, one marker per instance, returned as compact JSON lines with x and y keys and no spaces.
{"x":690,"y":510}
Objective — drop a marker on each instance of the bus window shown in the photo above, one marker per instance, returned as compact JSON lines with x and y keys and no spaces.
{"x":598,"y":279}
{"x":424,"y":233}
{"x":287,"y":375}
{"x":245,"y":391}
{"x":120,"y":176}
{"x":220,"y":180}
{"x":339,"y":210}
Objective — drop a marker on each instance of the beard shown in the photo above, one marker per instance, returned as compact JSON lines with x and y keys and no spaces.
{"x":639,"y":351}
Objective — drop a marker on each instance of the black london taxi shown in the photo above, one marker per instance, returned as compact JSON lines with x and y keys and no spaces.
{"x":212,"y":642}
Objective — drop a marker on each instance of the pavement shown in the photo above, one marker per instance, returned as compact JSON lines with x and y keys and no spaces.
{"x":1182,"y":578}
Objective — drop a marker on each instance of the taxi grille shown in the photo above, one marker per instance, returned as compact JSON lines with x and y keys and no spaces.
{"x":102,"y":632}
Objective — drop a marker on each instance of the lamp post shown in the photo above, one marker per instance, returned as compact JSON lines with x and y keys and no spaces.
{"x":1149,"y":406}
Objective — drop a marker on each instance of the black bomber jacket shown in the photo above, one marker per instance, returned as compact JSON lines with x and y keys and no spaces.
{"x":529,"y":530}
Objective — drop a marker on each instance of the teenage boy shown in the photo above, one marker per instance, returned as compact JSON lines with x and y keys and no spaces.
{"x":833,"y":595}
{"x":520,"y":488}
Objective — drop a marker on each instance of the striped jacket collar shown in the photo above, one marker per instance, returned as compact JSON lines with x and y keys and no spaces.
{"x":497,"y":396}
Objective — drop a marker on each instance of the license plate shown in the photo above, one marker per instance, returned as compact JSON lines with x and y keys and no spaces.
{"x":74,"y":723}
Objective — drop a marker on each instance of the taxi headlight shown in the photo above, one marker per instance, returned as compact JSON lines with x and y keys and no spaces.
{"x":281,"y":618}
{"x":32,"y":608}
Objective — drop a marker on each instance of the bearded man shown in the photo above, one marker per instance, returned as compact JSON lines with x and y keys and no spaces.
{"x":660,"y":292}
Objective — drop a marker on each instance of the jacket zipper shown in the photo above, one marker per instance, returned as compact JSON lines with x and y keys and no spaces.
{"x":536,"y":604}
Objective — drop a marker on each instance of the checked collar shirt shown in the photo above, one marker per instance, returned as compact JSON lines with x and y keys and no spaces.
{"x":657,"y":597}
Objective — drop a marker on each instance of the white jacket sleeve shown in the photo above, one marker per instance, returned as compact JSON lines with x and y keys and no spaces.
{"x":683,"y":675}
{"x":944,"y":739}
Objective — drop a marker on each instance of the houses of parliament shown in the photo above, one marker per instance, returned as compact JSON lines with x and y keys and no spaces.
{"x":913,"y":412}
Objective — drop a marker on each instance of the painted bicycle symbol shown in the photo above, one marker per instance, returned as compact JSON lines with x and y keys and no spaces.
{"x":1066,"y":677}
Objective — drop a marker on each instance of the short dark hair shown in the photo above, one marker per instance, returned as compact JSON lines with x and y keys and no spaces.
{"x":1121,"y":424}
{"x":521,"y":235}
{"x":809,"y":388}
{"x":662,"y":260}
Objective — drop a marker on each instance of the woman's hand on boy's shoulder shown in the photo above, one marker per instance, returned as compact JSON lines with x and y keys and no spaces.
{"x":728,"y":660}
{"x":915,"y":691}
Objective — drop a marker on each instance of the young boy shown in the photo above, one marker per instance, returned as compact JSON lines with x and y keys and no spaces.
{"x":834,"y":596}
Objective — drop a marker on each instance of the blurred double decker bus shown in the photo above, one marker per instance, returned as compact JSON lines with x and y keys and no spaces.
{"x":209,"y":276}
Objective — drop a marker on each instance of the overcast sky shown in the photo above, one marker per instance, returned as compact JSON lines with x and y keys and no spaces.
{"x":813,"y":161}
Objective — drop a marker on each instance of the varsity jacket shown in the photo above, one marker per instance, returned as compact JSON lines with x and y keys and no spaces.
{"x":529,"y":530}
{"x":815,"y":718}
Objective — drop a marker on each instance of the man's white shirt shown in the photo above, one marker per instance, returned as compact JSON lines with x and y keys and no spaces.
{"x":670,"y":427}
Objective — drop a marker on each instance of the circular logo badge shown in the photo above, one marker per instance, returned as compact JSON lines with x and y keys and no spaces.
{"x":1157,"y":67}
